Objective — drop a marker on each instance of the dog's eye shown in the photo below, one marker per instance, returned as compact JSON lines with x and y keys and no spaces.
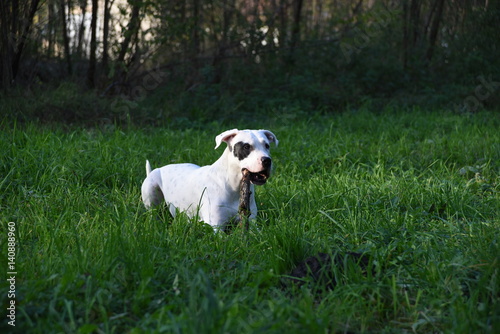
{"x":246,"y":147}
{"x":267,"y":146}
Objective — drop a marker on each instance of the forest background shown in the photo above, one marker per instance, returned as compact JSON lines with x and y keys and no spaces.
{"x":385,"y":149}
{"x":151,"y":60}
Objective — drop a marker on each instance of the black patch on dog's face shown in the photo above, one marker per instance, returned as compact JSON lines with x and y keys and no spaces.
{"x":242,"y":150}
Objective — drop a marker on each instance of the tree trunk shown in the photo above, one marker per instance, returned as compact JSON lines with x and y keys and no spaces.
{"x":283,"y":22}
{"x":132,"y":27}
{"x":81,"y":31}
{"x":195,"y":50}
{"x":405,"y":35}
{"x":51,"y":34}
{"x":297,"y":16}
{"x":435,"y":29}
{"x":15,"y":16}
{"x":415,"y":21}
{"x":411,"y":31}
{"x":93,"y":46}
{"x":6,"y":49}
{"x":65,"y":36}
{"x":24,"y":36}
{"x":105,"y":34}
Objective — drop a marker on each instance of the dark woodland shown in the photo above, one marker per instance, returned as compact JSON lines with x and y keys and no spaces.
{"x":149,"y":59}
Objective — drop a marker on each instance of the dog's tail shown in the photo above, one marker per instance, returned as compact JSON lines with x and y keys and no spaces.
{"x":148,"y":168}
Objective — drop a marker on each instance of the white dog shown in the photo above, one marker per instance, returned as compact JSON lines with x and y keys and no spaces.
{"x":211,"y":192}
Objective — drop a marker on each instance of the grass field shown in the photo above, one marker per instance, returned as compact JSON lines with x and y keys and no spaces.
{"x":418,"y":192}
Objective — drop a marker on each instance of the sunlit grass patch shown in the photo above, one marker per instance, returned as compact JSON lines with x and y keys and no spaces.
{"x":418,"y":193}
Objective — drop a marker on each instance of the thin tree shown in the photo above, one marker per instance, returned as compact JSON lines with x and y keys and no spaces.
{"x":65,"y":36}
{"x":93,"y":46}
{"x":6,"y":45}
{"x":81,"y":30}
{"x":297,"y":18}
{"x":435,"y":28}
{"x":24,"y":36}
{"x":51,"y":28}
{"x":105,"y":34}
{"x":132,"y":27}
{"x":15,"y":28}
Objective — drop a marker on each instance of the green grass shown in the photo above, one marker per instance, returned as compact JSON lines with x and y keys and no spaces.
{"x":417,"y":191}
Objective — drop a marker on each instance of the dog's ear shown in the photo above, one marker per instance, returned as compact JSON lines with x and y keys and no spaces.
{"x":270,"y":136}
{"x":226,"y":136}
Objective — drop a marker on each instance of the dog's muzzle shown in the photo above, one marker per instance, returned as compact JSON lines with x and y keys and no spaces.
{"x":260,"y":178}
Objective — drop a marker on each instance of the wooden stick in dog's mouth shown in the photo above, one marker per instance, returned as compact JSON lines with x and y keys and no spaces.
{"x":244,"y":207}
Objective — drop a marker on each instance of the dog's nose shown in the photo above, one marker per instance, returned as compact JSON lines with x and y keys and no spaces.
{"x":266,"y":162}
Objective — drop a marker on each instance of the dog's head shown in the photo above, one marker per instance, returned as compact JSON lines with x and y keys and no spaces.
{"x":250,"y":150}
